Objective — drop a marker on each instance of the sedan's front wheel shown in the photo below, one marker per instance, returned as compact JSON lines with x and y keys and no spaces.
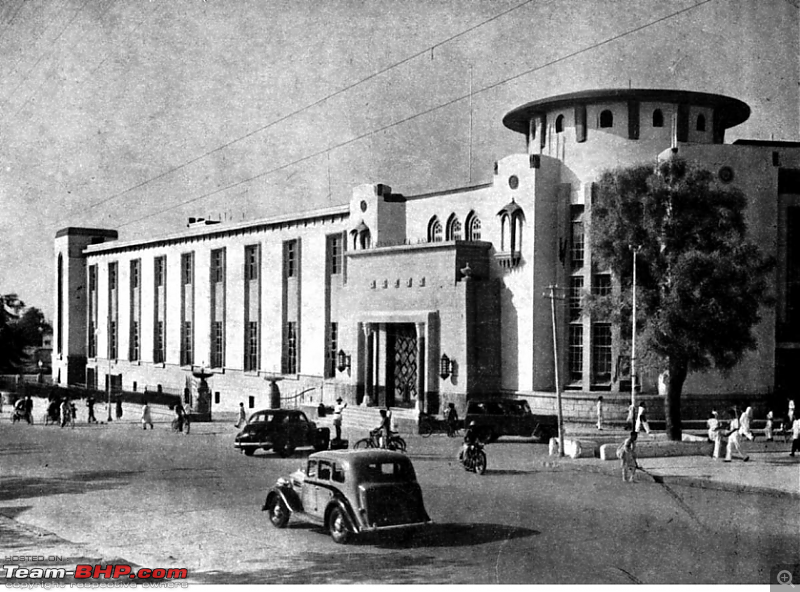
{"x":278,"y":513}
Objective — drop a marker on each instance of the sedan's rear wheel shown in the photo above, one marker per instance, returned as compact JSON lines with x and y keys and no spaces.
{"x":278,"y":513}
{"x":249,"y":451}
{"x":337,"y":525}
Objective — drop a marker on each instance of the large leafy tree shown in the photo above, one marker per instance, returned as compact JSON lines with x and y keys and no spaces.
{"x":700,"y":280}
{"x":20,"y":327}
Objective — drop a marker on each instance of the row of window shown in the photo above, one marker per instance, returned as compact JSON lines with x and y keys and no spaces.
{"x":252,"y":263}
{"x":454,"y":230}
{"x":606,"y":120}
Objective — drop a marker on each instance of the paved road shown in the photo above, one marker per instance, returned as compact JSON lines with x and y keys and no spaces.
{"x":158,"y":499}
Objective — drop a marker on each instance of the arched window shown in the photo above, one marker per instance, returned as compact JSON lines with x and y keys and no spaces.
{"x":701,"y":123}
{"x":658,"y":118}
{"x":473,"y":227}
{"x":434,"y":230}
{"x":453,"y":228}
{"x":361,"y":237}
{"x":512,"y":218}
{"x":606,"y":118}
{"x":559,"y":124}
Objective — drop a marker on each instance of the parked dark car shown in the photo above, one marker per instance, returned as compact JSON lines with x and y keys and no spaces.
{"x":349,"y":492}
{"x":282,"y":430}
{"x":494,"y":418}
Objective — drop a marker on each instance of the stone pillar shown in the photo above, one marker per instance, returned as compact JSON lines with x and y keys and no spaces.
{"x":421,"y":403}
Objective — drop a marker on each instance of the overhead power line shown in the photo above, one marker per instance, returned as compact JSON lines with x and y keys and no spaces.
{"x":421,"y":113}
{"x":302,"y":109}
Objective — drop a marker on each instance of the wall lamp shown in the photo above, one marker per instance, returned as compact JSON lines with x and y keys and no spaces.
{"x":342,"y":361}
{"x":445,"y":366}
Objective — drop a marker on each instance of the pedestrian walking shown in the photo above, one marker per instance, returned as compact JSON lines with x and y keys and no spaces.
{"x":337,"y":417}
{"x":768,"y":426}
{"x":626,"y":453}
{"x":73,"y":414}
{"x":641,"y":419}
{"x":242,"y":417}
{"x":600,"y":413}
{"x":733,"y":438}
{"x":795,"y":436}
{"x":65,"y":412}
{"x":629,"y":423}
{"x":90,"y":407}
{"x":715,"y":434}
{"x":28,"y":409}
{"x":451,"y":419}
{"x":146,"y":418}
{"x":790,"y":414}
{"x":119,"y":409}
{"x":745,"y":423}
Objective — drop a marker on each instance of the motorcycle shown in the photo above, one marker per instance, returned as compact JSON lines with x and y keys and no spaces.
{"x":473,"y":458}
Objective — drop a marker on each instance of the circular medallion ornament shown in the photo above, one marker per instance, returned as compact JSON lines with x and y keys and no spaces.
{"x":363,"y":206}
{"x":726,"y":174}
{"x":513,"y":182}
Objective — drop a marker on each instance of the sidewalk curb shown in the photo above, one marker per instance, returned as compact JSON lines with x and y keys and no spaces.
{"x":678,"y":480}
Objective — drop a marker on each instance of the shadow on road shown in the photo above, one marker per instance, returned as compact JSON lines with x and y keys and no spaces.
{"x":81,"y":482}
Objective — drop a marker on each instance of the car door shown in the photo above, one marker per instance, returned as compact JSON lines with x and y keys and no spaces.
{"x":309,"y":495}
{"x":324,"y":492}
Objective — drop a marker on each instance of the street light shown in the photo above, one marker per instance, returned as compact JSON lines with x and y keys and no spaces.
{"x":553,"y":297}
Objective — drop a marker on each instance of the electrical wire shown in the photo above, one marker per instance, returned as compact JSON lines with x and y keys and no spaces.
{"x":420,"y":113}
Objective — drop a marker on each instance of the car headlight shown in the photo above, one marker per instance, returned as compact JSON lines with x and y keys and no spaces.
{"x":282,"y":482}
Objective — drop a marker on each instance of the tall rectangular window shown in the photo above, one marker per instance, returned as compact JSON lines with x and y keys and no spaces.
{"x":113,"y":310}
{"x":335,"y":253}
{"x":91,"y":341}
{"x":252,"y":306}
{"x":160,"y":310}
{"x":218,"y":274}
{"x":575,"y":353}
{"x":134,"y":343}
{"x":251,"y":262}
{"x":251,"y":347}
{"x":575,"y":296}
{"x":291,"y":258}
{"x":187,"y":309}
{"x":217,"y":345}
{"x":601,"y":352}
{"x":576,"y":251}
{"x":290,"y":359}
{"x":331,"y":350}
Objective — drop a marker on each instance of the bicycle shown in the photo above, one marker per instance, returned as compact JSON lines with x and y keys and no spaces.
{"x":373,"y":441}
{"x":428,"y":424}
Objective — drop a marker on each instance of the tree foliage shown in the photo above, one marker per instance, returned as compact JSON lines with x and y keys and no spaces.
{"x":20,"y":327}
{"x":700,"y":279}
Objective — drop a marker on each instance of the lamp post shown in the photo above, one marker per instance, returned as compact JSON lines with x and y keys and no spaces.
{"x":635,"y":250}
{"x":553,"y":297}
{"x":108,"y":389}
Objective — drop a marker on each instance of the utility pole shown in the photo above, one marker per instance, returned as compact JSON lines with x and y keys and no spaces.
{"x":635,"y":250}
{"x":553,"y":296}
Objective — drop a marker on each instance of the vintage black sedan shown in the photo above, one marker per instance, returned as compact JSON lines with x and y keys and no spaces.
{"x":281,"y":430}
{"x":349,"y":492}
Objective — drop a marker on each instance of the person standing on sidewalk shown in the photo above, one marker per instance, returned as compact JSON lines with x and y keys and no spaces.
{"x":626,"y":453}
{"x":337,"y":417}
{"x":242,"y":417}
{"x":90,"y":406}
{"x":119,"y":409}
{"x":733,"y":438}
{"x":715,"y":434}
{"x":795,"y":436}
{"x":65,"y":412}
{"x":146,"y":418}
{"x":600,"y":412}
{"x":641,"y":419}
{"x":768,"y":426}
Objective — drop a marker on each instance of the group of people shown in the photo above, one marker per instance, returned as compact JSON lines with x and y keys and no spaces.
{"x":737,"y":426}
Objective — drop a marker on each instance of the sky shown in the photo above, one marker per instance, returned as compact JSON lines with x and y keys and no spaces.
{"x":134,"y":115}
